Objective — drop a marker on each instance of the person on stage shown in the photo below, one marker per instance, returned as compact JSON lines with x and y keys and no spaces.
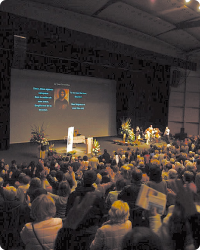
{"x":147,"y":136}
{"x":151,"y":131}
{"x":141,"y":133}
{"x":166,"y":135}
{"x":137,"y":132}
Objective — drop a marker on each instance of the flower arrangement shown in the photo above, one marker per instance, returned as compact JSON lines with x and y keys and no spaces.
{"x":126,"y":130}
{"x":38,"y":135}
{"x":96,"y":147}
{"x":126,"y":126}
{"x":131,"y":135}
{"x":73,"y":152}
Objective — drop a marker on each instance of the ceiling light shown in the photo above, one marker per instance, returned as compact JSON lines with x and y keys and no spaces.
{"x":20,"y":36}
{"x":187,"y":1}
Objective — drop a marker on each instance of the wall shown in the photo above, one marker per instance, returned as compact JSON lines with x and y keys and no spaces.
{"x":184,"y":103}
{"x":6,"y":44}
{"x":142,"y":86}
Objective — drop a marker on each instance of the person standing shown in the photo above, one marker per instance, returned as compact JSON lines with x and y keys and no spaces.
{"x":166,"y":134}
{"x":148,"y":137}
{"x":137,"y":132}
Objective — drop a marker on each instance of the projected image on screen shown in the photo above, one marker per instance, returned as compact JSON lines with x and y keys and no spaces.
{"x":60,"y":101}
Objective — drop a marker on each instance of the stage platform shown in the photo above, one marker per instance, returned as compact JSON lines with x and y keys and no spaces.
{"x":26,"y":152}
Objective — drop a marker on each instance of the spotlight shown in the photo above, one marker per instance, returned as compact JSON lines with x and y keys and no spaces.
{"x":187,"y":1}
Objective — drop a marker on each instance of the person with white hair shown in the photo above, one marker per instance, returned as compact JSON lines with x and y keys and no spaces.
{"x":111,"y":234}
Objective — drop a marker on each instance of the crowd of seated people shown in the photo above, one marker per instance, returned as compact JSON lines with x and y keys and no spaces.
{"x":90,"y":202}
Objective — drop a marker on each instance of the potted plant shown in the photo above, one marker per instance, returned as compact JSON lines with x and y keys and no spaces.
{"x":96,"y":147}
{"x":125,"y":128}
{"x":39,"y":137}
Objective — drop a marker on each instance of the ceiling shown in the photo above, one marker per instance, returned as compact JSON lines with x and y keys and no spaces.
{"x":169,"y":27}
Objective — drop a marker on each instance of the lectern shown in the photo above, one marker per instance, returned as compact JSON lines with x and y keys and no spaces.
{"x":89,"y":145}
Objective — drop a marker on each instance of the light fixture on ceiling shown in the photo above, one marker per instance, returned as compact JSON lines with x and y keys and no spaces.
{"x":189,"y":1}
{"x":20,"y":36}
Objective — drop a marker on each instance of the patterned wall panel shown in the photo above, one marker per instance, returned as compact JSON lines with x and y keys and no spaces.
{"x":175,"y":115}
{"x":191,"y":128}
{"x":176,"y":99}
{"x":175,"y":127}
{"x":192,"y":100}
{"x":6,"y":46}
{"x":191,"y":115}
{"x":188,"y":95}
{"x":5,"y":69}
{"x":193,"y":84}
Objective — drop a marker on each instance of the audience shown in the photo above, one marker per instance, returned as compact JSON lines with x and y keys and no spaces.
{"x":113,"y":195}
{"x":94,"y":217}
{"x":61,"y":199}
{"x":41,"y":234}
{"x":155,"y":175}
{"x":22,"y":189}
{"x":34,"y":184}
{"x":111,"y":234}
{"x":141,"y":238}
{"x":88,"y":200}
{"x":129,"y":194}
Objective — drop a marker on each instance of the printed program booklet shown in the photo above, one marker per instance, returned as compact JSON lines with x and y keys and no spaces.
{"x":149,"y":197}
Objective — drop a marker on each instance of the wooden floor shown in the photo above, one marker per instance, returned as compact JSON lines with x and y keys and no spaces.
{"x":27,"y":152}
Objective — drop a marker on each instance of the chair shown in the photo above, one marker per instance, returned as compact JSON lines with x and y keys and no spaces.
{"x":11,"y":226}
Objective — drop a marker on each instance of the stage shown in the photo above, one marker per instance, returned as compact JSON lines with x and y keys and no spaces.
{"x":26,"y":152}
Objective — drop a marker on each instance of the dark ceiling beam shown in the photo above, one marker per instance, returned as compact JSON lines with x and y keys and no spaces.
{"x":188,"y":24}
{"x":110,"y":2}
{"x":192,"y":51}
